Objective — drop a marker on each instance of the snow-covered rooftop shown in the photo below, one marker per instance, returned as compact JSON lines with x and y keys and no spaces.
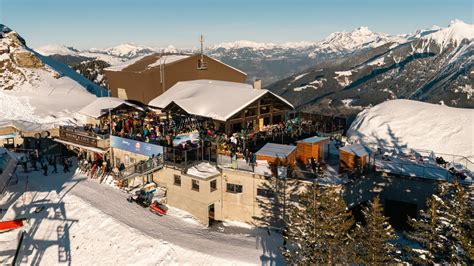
{"x":215,"y":99}
{"x":356,"y":149}
{"x":276,"y":150}
{"x":95,"y":108}
{"x":314,"y":139}
{"x":203,"y":170}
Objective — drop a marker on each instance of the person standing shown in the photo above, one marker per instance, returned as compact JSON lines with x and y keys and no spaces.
{"x":45,"y":169}
{"x":55,"y":167}
{"x":65,"y":165}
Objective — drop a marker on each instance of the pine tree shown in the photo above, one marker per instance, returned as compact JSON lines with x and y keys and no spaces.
{"x":428,"y":232}
{"x":372,"y":241}
{"x":460,"y":216}
{"x":318,"y":228}
{"x":444,"y":230}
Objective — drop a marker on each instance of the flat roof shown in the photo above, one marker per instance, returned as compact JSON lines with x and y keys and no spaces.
{"x":314,"y":139}
{"x":276,"y":150}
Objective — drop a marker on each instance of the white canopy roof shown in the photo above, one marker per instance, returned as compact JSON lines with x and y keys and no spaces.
{"x":95,"y":108}
{"x":218,"y":100}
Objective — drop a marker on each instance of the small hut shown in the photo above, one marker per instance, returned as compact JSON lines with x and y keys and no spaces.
{"x":315,"y":147}
{"x":273,"y":152}
{"x":353,"y":157}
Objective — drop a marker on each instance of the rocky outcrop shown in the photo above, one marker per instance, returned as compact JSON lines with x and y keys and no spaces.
{"x":27,"y":59}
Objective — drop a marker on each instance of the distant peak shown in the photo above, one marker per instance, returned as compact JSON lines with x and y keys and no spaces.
{"x":457,"y":31}
{"x":457,"y":22}
{"x":363,"y":29}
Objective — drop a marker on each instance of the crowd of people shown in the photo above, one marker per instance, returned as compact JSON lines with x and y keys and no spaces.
{"x":149,"y":127}
{"x":31,"y":161}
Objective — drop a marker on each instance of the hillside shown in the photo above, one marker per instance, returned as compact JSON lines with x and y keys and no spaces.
{"x":37,"y":89}
{"x":432,"y":66}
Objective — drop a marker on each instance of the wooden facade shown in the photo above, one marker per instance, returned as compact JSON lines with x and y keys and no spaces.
{"x":315,"y":147}
{"x":265,"y":111}
{"x":141,"y":83}
{"x":274,"y":153}
{"x":353,"y":158}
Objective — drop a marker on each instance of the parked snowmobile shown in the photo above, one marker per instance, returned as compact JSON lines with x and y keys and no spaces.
{"x":158,"y":208}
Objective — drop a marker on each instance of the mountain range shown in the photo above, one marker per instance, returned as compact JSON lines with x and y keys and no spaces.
{"x":431,"y":66}
{"x":341,"y":75}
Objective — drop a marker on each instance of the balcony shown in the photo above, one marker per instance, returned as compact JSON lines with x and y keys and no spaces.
{"x":82,"y":137}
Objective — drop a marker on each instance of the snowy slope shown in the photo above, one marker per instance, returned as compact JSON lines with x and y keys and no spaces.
{"x":417,"y":125}
{"x":71,"y":230}
{"x":59,"y":49}
{"x":454,"y":34}
{"x":35,"y":88}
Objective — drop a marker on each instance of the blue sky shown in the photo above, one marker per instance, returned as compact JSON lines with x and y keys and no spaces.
{"x":103,"y":23}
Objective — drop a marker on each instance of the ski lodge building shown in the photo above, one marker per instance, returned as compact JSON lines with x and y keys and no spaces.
{"x":144,"y":78}
{"x":231,"y":106}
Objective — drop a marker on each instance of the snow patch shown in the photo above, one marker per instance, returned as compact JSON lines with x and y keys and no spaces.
{"x":299,"y":76}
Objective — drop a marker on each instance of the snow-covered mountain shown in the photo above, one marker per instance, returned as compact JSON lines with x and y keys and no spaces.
{"x":272,"y":62}
{"x":434,"y":65}
{"x":37,"y":89}
{"x":267,"y":61}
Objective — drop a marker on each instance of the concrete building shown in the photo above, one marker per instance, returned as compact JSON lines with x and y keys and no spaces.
{"x":144,"y":78}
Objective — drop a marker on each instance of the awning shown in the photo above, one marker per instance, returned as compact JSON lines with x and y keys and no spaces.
{"x":97,"y":150}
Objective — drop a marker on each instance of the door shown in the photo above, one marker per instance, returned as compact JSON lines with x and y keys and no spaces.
{"x":211,"y":211}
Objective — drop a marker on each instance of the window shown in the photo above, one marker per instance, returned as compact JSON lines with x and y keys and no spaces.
{"x":195,"y":185}
{"x":265,"y":193}
{"x":177,"y":180}
{"x":233,"y":188}
{"x":213,"y":185}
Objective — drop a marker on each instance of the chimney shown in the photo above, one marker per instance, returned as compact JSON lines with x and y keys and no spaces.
{"x":257,"y":84}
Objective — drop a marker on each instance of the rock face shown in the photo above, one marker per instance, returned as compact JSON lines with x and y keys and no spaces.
{"x":27,"y":59}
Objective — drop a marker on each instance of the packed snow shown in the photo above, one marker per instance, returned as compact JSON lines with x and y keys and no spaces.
{"x":84,"y":222}
{"x":416,"y":125}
